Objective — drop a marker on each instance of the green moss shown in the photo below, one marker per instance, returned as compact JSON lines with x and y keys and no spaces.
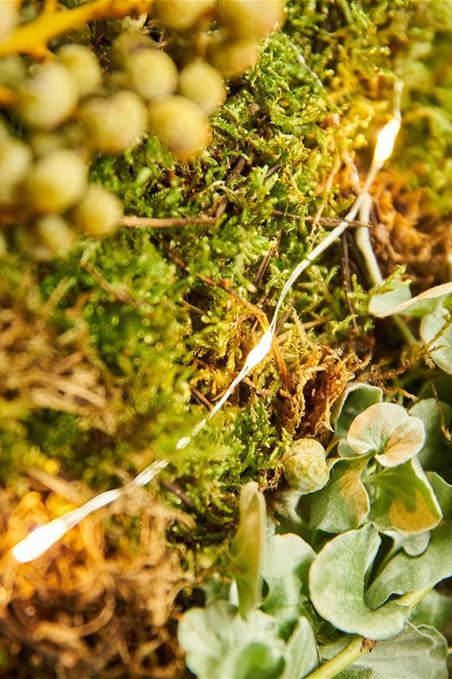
{"x":139,"y":305}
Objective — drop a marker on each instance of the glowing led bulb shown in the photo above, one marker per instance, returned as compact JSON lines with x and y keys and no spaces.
{"x":39,"y":540}
{"x":386,"y":140}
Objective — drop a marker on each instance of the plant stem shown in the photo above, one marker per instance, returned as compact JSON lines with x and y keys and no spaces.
{"x":355,"y":649}
{"x":165,"y":222}
{"x":32,"y":37}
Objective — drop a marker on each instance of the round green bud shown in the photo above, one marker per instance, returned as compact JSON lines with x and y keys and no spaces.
{"x":181,"y":125}
{"x":12,"y":70}
{"x":99,"y":212}
{"x":114,"y":124}
{"x":151,"y":73}
{"x":47,"y":98}
{"x":232,"y":57}
{"x":56,"y":181}
{"x":8,"y":17}
{"x":181,"y":15}
{"x":54,"y":234}
{"x":202,"y":83}
{"x":305,"y":467}
{"x":83,"y":66}
{"x":250,"y":18}
{"x":128,"y":44}
{"x":15,"y":160}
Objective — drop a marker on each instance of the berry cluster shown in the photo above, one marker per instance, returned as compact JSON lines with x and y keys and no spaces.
{"x":67,"y":108}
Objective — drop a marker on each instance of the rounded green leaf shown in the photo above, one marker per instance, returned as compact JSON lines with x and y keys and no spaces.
{"x":387,"y":303}
{"x":436,"y":452}
{"x":399,"y":301}
{"x":439,"y":322}
{"x":301,"y":654}
{"x":284,"y":569}
{"x":406,"y":573}
{"x":220,"y":644}
{"x":387,"y":430}
{"x":415,"y":653}
{"x":403,"y":499}
{"x":337,"y":586}
{"x":356,"y":398}
{"x":248,"y":547}
{"x":344,"y":503}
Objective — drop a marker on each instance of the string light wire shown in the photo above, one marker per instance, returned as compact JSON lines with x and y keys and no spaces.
{"x":36,"y":543}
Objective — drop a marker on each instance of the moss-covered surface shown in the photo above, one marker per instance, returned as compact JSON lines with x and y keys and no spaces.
{"x":109,"y":356}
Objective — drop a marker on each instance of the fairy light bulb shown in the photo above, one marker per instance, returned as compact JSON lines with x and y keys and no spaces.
{"x":39,"y":541}
{"x":386,"y":140}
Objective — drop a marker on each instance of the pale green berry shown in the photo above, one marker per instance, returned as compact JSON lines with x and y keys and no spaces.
{"x":47,"y":98}
{"x":115,"y":123}
{"x":12,"y":70}
{"x":305,"y":467}
{"x":151,"y":73}
{"x":8,"y":17}
{"x":181,"y":15}
{"x":15,"y":160}
{"x":99,"y":212}
{"x":202,"y":83}
{"x":181,"y":125}
{"x":83,"y":65}
{"x":250,"y":18}
{"x":127,"y":44}
{"x":56,"y":181}
{"x":55,"y":234}
{"x":28,"y":240}
{"x":232,"y":57}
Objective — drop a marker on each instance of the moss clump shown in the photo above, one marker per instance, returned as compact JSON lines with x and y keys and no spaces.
{"x":149,"y":326}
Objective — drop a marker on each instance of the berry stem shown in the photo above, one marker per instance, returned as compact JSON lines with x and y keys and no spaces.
{"x":32,"y":37}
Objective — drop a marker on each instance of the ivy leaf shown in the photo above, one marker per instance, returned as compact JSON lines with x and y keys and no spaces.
{"x":301,"y":652}
{"x":220,"y":644}
{"x":344,"y":503}
{"x":406,"y":573}
{"x":388,"y":430}
{"x":436,"y":453}
{"x":415,"y":653}
{"x":285,"y":569}
{"x":441,"y":350}
{"x":386,"y":303}
{"x":356,"y":398}
{"x":248,"y":547}
{"x":393,"y":302}
{"x":403,"y":499}
{"x":337,"y":586}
